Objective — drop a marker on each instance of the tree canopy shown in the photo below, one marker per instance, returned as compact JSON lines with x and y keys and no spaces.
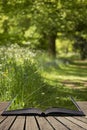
{"x":42,"y":21}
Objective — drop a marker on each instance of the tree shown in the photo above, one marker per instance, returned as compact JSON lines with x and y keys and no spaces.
{"x":52,"y":17}
{"x":80,"y":45}
{"x":80,"y":34}
{"x":48,"y":17}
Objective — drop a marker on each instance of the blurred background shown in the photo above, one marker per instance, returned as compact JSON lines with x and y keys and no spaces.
{"x":43,"y":50}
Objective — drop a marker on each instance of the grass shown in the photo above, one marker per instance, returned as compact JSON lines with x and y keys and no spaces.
{"x":39,"y":81}
{"x":69,"y":76}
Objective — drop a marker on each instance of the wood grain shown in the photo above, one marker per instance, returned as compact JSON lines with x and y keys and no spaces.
{"x":56,"y":124}
{"x":31,"y":123}
{"x":43,"y":123}
{"x":69,"y":124}
{"x":77,"y":122}
{"x":19,"y":123}
{"x":5,"y":125}
{"x":83,"y":119}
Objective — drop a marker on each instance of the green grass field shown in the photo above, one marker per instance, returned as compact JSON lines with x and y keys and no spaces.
{"x":35,"y":78}
{"x":70,"y":79}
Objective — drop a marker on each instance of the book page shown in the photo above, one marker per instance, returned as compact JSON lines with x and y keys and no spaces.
{"x":41,"y":107}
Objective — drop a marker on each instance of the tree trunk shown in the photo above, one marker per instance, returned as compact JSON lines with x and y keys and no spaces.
{"x":5,"y":26}
{"x":52,"y":45}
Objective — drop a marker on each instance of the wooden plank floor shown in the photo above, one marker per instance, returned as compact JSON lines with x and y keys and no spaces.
{"x":43,"y":123}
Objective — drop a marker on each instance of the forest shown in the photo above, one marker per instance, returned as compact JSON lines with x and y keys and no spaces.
{"x":43,"y":51}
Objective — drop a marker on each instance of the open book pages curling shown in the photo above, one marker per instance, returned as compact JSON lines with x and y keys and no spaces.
{"x":61,"y":107}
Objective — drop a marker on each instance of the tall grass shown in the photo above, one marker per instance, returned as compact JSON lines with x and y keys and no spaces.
{"x":20,"y":74}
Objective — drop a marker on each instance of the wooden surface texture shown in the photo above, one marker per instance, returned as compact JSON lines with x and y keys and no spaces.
{"x":43,"y":123}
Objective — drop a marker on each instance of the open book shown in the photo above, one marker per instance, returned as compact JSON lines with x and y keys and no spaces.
{"x":52,"y":110}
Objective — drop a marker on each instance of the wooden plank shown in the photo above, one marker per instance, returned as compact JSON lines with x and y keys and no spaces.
{"x":83,"y":119}
{"x":5,"y":125}
{"x":78,"y":122}
{"x":2,"y":118}
{"x":43,"y":124}
{"x":31,"y":123}
{"x":3,"y":105}
{"x":19,"y":123}
{"x":69,"y":124}
{"x":57,"y":125}
{"x":83,"y":106}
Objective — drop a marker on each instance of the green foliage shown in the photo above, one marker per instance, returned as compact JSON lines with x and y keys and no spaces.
{"x":67,"y":74}
{"x":20,"y":75}
{"x":39,"y":81}
{"x":17,"y":72}
{"x":64,"y":46}
{"x":41,"y":22}
{"x":80,"y":45}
